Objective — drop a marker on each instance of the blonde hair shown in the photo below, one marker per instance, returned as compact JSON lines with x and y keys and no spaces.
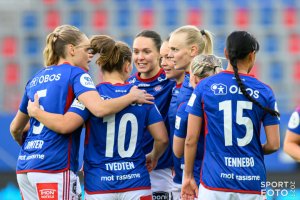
{"x":57,"y":40}
{"x":203,"y":38}
{"x":113,"y":53}
{"x":203,"y":66}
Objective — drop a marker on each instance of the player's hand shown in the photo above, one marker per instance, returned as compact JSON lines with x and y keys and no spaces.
{"x":151,"y":162}
{"x":189,"y":190}
{"x":32,"y":107}
{"x":141,"y":96}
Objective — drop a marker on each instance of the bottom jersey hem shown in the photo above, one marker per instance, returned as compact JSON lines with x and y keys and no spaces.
{"x":118,"y":191}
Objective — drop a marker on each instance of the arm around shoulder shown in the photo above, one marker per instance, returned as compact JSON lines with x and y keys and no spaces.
{"x":291,"y":145}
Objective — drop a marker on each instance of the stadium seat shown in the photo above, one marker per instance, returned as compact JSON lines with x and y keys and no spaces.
{"x":123,"y":17}
{"x":9,"y":46}
{"x":49,"y":1}
{"x":290,"y":17}
{"x":72,"y":1}
{"x":242,"y":17}
{"x":276,"y":72}
{"x":296,"y":71}
{"x":52,"y":19}
{"x":99,"y":20}
{"x":271,"y":43}
{"x":11,"y":74}
{"x":171,"y":17}
{"x":193,"y":3}
{"x":146,"y":19}
{"x":77,"y":18}
{"x":34,"y":68}
{"x":32,"y":46}
{"x":219,"y":44}
{"x":266,"y":16}
{"x":218,"y":16}
{"x":294,"y":43}
{"x":30,"y":20}
{"x":145,"y":4}
{"x":194,"y":16}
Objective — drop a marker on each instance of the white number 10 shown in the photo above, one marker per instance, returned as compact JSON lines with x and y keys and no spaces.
{"x":240,"y":120}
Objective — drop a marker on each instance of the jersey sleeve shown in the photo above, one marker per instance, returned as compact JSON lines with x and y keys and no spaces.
{"x":268,"y":118}
{"x":181,"y":121}
{"x":294,"y":122}
{"x":81,"y":82}
{"x":194,"y":105}
{"x":79,"y":109}
{"x":154,"y":115}
{"x":24,"y":103}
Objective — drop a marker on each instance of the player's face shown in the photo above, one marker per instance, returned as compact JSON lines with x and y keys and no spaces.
{"x":145,"y":55}
{"x":168,"y":64}
{"x":83,"y":53}
{"x":180,"y":51}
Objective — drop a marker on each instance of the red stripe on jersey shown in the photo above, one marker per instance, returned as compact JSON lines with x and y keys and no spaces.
{"x":70,"y":98}
{"x":161,"y":71}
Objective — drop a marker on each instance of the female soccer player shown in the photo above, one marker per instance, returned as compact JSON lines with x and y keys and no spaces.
{"x":232,"y":105}
{"x":177,"y":75}
{"x":292,"y":137}
{"x":201,"y":67}
{"x":185,"y":43}
{"x":152,"y":78}
{"x":40,"y":167}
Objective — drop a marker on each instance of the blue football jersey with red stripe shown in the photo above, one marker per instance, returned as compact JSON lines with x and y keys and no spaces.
{"x":43,"y":149}
{"x":114,"y":160}
{"x":171,"y":116}
{"x":233,"y":159}
{"x":294,"y":122}
{"x":161,"y":88}
{"x":186,"y":90}
{"x":181,"y":130}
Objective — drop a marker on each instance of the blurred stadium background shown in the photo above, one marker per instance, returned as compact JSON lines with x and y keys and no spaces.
{"x":24,"y":25}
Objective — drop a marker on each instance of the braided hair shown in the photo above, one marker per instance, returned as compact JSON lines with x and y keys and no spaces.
{"x":239,"y":44}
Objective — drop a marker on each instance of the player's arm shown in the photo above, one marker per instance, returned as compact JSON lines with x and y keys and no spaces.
{"x":63,"y":124}
{"x":292,"y":145}
{"x":178,"y":146}
{"x":273,"y":139}
{"x":101,"y":108}
{"x":191,"y":141}
{"x":18,"y":125}
{"x":160,"y":135}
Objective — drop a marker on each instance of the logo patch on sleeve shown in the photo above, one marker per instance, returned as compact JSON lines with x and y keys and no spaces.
{"x":192,"y":100}
{"x":77,"y":104}
{"x":177,"y":122}
{"x":294,"y":120}
{"x":47,"y":191}
{"x":87,"y":81}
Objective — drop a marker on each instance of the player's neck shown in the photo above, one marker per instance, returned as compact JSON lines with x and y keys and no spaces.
{"x":150,"y":74}
{"x":241,"y":69}
{"x":113,"y":77}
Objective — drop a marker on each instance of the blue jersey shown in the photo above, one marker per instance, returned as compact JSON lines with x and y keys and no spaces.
{"x":114,"y":160}
{"x":294,"y":122}
{"x":43,"y":149}
{"x":234,"y":159}
{"x":185,"y":91}
{"x":161,"y":88}
{"x":181,"y":130}
{"x":171,"y":116}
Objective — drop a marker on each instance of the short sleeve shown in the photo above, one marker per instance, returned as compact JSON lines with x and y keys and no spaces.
{"x":268,"y":118}
{"x":81,"y":82}
{"x":194,"y":105}
{"x":181,"y":121}
{"x":294,"y":122}
{"x":154,"y":115}
{"x":24,"y":103}
{"x":79,"y":109}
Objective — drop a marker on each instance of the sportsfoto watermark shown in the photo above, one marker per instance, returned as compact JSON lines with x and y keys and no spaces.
{"x":279,"y":188}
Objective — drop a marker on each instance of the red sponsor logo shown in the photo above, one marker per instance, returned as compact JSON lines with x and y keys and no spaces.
{"x":149,"y":197}
{"x":47,"y":191}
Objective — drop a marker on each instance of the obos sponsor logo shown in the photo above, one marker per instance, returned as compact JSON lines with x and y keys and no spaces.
{"x":87,"y":81}
{"x":219,"y":89}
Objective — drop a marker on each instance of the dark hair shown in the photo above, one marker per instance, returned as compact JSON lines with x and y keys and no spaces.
{"x":152,"y":35}
{"x":113,"y":53}
{"x":239,"y":44}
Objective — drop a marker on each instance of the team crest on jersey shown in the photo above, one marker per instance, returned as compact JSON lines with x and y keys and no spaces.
{"x":294,"y":120}
{"x":219,"y":89}
{"x":158,"y":88}
{"x":87,"y":81}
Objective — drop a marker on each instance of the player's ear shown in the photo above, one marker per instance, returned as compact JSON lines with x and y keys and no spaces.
{"x":226,"y":53}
